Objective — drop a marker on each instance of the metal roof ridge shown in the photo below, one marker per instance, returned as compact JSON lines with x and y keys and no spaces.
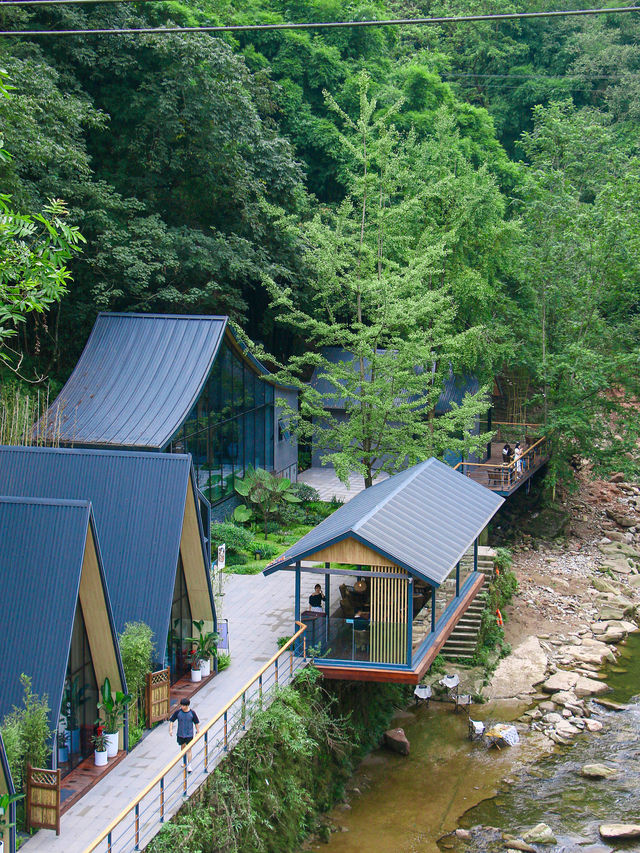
{"x":216,"y":317}
{"x":72,"y":502}
{"x":95,"y":451}
{"x":419,"y":468}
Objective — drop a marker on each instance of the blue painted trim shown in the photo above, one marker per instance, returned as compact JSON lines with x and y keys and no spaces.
{"x":297,"y":605}
{"x":457,"y":578}
{"x":433,"y":611}
{"x":451,"y":608}
{"x":409,"y":621}
{"x":327,"y":591}
{"x":475,"y":554}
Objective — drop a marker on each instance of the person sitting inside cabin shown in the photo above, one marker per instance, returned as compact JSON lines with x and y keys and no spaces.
{"x":506,"y":454}
{"x":316,"y":599}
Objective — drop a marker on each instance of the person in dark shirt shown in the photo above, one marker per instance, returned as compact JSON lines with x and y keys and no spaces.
{"x":186,"y":719}
{"x":316,"y":599}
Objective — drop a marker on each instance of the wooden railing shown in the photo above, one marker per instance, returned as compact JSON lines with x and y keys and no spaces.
{"x":503,"y":477}
{"x":134,"y":827}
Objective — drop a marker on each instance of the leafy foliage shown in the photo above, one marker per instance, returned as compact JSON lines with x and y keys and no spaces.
{"x":27,"y":733}
{"x":136,"y":650}
{"x":264,"y":494}
{"x":235,"y":538}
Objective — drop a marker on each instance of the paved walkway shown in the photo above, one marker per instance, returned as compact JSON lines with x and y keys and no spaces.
{"x":325,"y":481}
{"x":259,"y":610}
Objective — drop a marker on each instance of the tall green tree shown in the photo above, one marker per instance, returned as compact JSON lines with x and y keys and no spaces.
{"x":579,"y":310}
{"x":403,"y":280}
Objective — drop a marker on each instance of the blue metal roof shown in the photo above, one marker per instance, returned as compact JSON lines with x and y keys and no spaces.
{"x":138,"y":501}
{"x":41,"y":554}
{"x":423,"y":519}
{"x":454,"y":388}
{"x":136,"y":380}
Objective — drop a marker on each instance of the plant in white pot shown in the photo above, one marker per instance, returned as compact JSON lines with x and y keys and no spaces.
{"x":206,"y":644}
{"x":113,"y":706}
{"x":196,"y":672}
{"x":63,"y":746}
{"x":100,"y":748}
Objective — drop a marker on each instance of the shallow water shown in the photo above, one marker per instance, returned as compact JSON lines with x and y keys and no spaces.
{"x":407,"y":804}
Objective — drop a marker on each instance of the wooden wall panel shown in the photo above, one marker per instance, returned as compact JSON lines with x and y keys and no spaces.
{"x":193,"y":563}
{"x":96,"y":620}
{"x":351,"y":551}
{"x":389,"y":610}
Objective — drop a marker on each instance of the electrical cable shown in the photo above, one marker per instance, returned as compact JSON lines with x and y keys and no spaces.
{"x":240,"y":28}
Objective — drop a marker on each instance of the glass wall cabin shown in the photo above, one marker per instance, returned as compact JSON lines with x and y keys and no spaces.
{"x":231,"y":426}
{"x":79,"y":709}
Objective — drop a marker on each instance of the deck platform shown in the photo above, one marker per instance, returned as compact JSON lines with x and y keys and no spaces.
{"x":506,"y":479}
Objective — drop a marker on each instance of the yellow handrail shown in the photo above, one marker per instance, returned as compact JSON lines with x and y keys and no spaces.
{"x":513,"y":423}
{"x":157,"y":779}
{"x":507,"y":465}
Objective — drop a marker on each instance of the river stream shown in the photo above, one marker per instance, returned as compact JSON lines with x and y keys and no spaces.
{"x":408,"y":804}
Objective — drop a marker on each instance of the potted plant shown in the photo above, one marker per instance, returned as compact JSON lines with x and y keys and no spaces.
{"x":196,"y":672}
{"x":63,"y":746}
{"x":206,"y":644}
{"x":100,"y":745}
{"x":6,"y":801}
{"x":113,"y":706}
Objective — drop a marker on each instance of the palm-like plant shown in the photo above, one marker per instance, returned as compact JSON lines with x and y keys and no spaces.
{"x":206,"y":643}
{"x":113,"y":706}
{"x":264,"y":495}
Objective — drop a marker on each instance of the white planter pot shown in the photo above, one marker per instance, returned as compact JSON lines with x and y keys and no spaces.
{"x":205,"y":668}
{"x":112,"y":744}
{"x":196,"y":675}
{"x":100,"y":759}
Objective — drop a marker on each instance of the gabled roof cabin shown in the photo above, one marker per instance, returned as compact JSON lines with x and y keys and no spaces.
{"x":151,"y":536}
{"x":405,"y":551}
{"x":182,"y":384}
{"x":62,"y":632}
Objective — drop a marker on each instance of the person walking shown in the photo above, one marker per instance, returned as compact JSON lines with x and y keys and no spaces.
{"x":186,"y":718}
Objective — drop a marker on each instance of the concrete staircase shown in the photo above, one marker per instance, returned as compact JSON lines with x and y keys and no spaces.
{"x":464,"y":638}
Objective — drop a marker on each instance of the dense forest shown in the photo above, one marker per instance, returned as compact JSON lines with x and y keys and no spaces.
{"x":205,"y":174}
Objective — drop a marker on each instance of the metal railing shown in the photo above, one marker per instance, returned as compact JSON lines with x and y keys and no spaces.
{"x":143,"y":818}
{"x":502,"y":477}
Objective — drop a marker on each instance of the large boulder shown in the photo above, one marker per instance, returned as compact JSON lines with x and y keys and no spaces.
{"x":620,"y":830}
{"x":520,"y":671}
{"x":564,"y":681}
{"x":396,"y":740}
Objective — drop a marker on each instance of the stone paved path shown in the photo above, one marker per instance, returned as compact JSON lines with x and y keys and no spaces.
{"x":259,"y":610}
{"x":329,"y":486}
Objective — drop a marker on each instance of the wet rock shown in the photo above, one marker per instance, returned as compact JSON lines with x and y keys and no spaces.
{"x":620,"y":830}
{"x":610,"y":704}
{"x":513,"y":843}
{"x":598,"y":771}
{"x":547,"y":705}
{"x":564,"y":681}
{"x":566,"y":729}
{"x":396,"y":740}
{"x":593,"y":725}
{"x":518,"y":673}
{"x":540,"y":834}
{"x":614,"y":635}
{"x":463,"y":833}
{"x":552,"y":718}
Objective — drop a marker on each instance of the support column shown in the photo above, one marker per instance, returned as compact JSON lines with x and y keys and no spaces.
{"x":410,"y":622}
{"x":327,"y":591}
{"x":433,"y":609}
{"x":458,"y":579}
{"x":475,"y":554}
{"x":297,"y":605}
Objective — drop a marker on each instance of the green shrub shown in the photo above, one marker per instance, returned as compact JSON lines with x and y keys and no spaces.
{"x":236,"y":538}
{"x":26,"y":732}
{"x":236,"y":560}
{"x":224,"y":659}
{"x":305,"y":492}
{"x":136,"y":649}
{"x":267,"y":549}
{"x":503,"y":560}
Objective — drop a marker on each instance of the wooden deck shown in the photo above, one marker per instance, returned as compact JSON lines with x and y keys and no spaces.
{"x":507,"y":479}
{"x":82,"y":779}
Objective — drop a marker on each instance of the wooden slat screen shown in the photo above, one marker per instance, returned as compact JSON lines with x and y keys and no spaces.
{"x":157,"y":696}
{"x":389,"y":608}
{"x":42,"y":802}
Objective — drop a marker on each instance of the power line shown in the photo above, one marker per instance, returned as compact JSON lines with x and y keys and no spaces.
{"x":240,"y":28}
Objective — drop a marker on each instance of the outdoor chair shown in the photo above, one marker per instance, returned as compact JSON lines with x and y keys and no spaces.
{"x":423,"y":693}
{"x":361,"y":640}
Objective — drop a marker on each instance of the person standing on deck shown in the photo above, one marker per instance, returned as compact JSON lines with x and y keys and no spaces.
{"x":316,"y":599}
{"x":517,"y":455}
{"x":186,"y":719}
